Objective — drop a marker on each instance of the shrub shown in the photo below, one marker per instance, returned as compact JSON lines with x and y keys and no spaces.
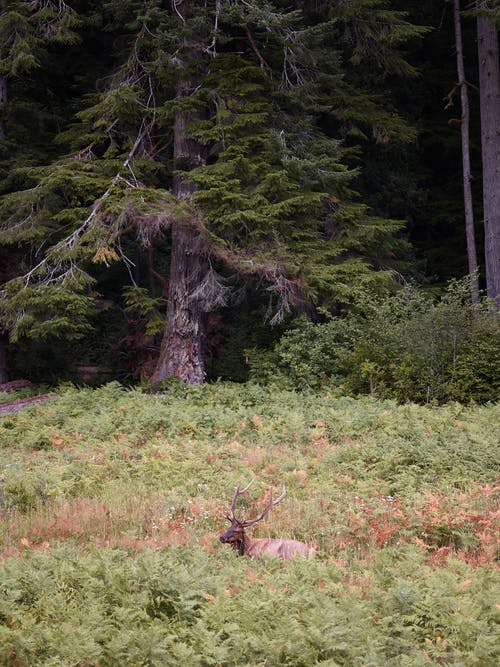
{"x":413,"y":348}
{"x":476,"y":372}
{"x":406,"y":347}
{"x":308,"y":355}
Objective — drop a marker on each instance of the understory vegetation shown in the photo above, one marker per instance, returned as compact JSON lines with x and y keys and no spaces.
{"x":407,"y":347}
{"x":112,"y":500}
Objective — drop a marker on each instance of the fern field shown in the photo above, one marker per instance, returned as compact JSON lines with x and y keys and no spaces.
{"x":112,"y":501}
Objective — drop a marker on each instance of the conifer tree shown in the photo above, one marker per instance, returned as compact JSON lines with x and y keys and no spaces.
{"x":26,"y":30}
{"x":212,"y":135}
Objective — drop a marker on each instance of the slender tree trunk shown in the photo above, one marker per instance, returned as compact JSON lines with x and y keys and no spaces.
{"x":3,"y":104}
{"x":181,"y":353}
{"x":4,"y":376}
{"x":464,"y":128}
{"x":489,"y":85}
{"x":3,"y":89}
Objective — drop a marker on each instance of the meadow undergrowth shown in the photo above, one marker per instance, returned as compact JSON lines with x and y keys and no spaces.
{"x":111,"y":502}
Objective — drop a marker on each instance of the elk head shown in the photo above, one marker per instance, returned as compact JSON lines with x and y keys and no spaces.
{"x":235,"y":534}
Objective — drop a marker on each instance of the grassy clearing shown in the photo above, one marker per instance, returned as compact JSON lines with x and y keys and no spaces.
{"x":111,"y":504}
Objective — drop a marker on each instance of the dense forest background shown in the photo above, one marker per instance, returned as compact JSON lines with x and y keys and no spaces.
{"x":243,"y":189}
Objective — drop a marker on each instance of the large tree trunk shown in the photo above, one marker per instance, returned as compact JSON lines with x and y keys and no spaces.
{"x":181,"y":353}
{"x":489,"y":85}
{"x":464,"y":128}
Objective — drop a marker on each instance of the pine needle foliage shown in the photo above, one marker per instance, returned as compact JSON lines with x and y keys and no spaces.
{"x":273,"y":202}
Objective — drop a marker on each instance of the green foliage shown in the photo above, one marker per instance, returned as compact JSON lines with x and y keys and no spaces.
{"x":410,"y":346}
{"x":406,"y":347}
{"x":476,"y":369}
{"x":172,"y":441}
{"x":96,"y":484}
{"x":172,"y":608}
{"x":306,"y":355}
{"x":104,"y":608}
{"x":45,"y":311}
{"x":25,"y":28}
{"x":139,"y":302}
{"x":272,"y":203}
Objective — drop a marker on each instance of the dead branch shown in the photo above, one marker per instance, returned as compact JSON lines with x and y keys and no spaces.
{"x":255,"y":49}
{"x":21,"y":403}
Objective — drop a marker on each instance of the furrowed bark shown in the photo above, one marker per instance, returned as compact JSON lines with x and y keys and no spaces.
{"x":466,"y":170}
{"x":3,"y":337}
{"x":489,"y":86}
{"x":181,"y":352}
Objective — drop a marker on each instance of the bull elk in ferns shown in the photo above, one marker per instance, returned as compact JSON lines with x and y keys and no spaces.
{"x":244,"y":545}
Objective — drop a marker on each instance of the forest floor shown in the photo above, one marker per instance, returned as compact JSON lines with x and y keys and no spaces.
{"x":112,"y":501}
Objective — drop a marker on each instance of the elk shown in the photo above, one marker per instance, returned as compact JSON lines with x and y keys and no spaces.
{"x":256,"y":547}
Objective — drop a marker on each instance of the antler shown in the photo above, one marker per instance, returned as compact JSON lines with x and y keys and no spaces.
{"x":237,"y":494}
{"x":272,"y":503}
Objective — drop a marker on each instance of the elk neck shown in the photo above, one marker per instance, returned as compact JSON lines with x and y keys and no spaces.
{"x":241,"y":546}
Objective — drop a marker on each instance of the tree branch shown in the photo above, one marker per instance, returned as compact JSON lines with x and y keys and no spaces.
{"x":255,"y":48}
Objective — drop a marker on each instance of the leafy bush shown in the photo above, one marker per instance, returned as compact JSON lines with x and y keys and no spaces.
{"x":476,"y":371}
{"x":412,"y":348}
{"x":307,"y":355}
{"x":406,"y":347}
